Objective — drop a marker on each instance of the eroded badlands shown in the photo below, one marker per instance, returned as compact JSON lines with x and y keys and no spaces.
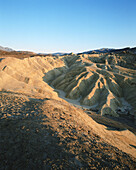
{"x":104,"y":82}
{"x":48,"y":104}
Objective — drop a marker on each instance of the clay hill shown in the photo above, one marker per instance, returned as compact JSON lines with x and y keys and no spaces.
{"x":68,"y":111}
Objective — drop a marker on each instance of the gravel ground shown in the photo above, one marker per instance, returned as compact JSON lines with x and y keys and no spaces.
{"x":34,"y":135}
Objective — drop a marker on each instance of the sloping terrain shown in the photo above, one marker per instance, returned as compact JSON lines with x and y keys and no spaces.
{"x":105,"y":82}
{"x":48,"y":132}
{"x":52,"y":134}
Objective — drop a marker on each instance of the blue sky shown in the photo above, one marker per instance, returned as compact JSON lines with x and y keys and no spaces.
{"x":67,"y":25}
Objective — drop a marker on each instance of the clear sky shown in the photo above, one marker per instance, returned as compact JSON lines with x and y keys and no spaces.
{"x":67,"y":25}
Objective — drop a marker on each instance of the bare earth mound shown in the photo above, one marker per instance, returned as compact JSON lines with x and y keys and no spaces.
{"x":50,"y":134}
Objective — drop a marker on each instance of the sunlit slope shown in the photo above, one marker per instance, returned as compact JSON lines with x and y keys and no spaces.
{"x":106,"y":82}
{"x":26,"y":75}
{"x":98,"y":81}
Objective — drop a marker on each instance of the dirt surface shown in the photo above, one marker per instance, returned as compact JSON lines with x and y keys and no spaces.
{"x":44,"y":134}
{"x":16,"y":54}
{"x":104,"y":82}
{"x":113,"y":123}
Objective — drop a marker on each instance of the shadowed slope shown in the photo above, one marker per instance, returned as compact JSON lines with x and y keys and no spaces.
{"x":49,"y":134}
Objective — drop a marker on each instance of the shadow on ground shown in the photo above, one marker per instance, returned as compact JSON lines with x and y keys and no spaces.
{"x":26,"y":144}
{"x":113,"y":123}
{"x":29,"y":141}
{"x":133,"y":146}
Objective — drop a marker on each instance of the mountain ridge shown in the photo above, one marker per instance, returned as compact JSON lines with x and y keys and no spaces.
{"x":6,"y":48}
{"x":101,"y":50}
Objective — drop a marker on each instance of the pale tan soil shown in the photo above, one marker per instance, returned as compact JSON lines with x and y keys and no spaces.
{"x":40,"y":130}
{"x":49,"y":134}
{"x":106,"y":82}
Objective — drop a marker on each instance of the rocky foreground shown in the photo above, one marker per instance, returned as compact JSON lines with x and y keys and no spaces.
{"x":48,"y":134}
{"x":74,"y":111}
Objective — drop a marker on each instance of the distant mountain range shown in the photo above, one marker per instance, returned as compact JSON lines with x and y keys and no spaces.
{"x":107,"y":50}
{"x":56,"y":54}
{"x":60,"y":54}
{"x":102,"y":50}
{"x":6,"y":48}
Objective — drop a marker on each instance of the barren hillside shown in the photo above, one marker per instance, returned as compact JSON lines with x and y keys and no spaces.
{"x":72,"y":111}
